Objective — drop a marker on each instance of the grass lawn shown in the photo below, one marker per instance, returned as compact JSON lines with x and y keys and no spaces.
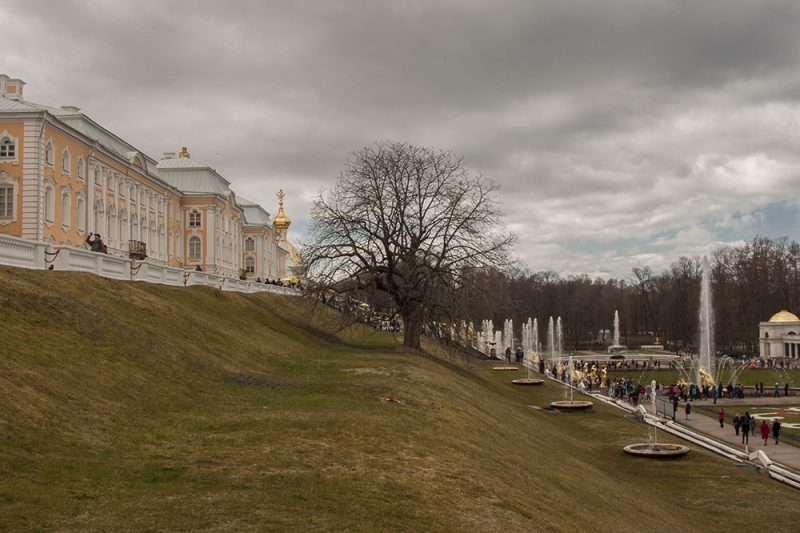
{"x":137,"y":407}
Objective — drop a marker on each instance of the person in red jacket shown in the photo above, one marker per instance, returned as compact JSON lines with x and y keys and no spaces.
{"x":721,"y":414}
{"x":764,"y":431}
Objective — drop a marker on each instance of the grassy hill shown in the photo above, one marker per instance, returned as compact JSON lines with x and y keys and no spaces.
{"x":136,"y":407}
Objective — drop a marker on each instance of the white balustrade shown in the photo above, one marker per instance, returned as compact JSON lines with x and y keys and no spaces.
{"x":21,"y":253}
{"x":18,"y":252}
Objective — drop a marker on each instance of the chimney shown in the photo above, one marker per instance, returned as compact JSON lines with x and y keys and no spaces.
{"x":11,"y":88}
{"x":169,"y":155}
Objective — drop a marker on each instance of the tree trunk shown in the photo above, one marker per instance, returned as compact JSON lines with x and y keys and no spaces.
{"x":412,"y":329}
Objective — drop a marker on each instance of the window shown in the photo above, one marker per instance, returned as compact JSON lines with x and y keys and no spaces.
{"x":81,"y":212}
{"x":250,"y":265}
{"x":49,"y":154}
{"x":49,"y":200}
{"x":162,"y":237}
{"x":66,"y":207}
{"x":194,"y":218}
{"x":178,"y":246}
{"x":143,"y":230}
{"x":111,"y":228}
{"x":81,"y":170}
{"x":111,"y":178}
{"x":66,"y":161}
{"x":123,"y":227}
{"x":249,"y":244}
{"x":98,"y":216}
{"x":8,"y":149}
{"x":6,"y":201}
{"x":134,"y":233}
{"x":194,"y":247}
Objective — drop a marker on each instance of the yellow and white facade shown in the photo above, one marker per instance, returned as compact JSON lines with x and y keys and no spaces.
{"x":63,"y":177}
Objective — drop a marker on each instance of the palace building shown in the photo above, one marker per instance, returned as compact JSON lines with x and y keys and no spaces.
{"x":64,"y":177}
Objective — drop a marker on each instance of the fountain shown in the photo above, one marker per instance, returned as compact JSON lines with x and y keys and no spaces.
{"x":559,"y":338}
{"x":655,"y":450}
{"x":528,"y":338}
{"x":706,"y":348}
{"x":571,"y":405}
{"x":508,"y":335}
{"x":616,"y":349}
{"x":551,"y":341}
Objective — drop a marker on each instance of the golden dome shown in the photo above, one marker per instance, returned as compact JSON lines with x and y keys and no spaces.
{"x":784,"y":316}
{"x":281,"y":221}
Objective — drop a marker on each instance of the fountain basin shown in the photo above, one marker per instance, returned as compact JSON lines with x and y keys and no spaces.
{"x":527,"y":381}
{"x":505,"y":368}
{"x":656,"y":451}
{"x":573,"y":406}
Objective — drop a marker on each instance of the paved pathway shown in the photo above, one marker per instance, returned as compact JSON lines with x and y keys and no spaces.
{"x":783,"y":453}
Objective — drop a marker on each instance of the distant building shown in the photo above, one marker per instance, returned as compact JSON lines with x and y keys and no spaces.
{"x":63,"y":177}
{"x":780,"y":336}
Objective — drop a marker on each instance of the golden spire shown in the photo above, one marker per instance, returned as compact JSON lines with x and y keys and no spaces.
{"x":281,"y":221}
{"x":184,"y":153}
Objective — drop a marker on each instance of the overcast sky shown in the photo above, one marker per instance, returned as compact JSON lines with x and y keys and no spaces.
{"x":622,"y":133}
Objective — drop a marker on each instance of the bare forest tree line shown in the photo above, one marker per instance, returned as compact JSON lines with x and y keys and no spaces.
{"x":750,"y":283}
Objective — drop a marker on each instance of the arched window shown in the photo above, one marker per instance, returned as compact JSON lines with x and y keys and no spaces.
{"x":8,"y":149}
{"x":134,"y":227}
{"x":81,"y":168}
{"x":250,"y":265}
{"x":81,"y":211}
{"x":111,"y":229}
{"x":66,"y":161}
{"x":178,"y":246}
{"x":66,"y":206}
{"x":195,"y":247}
{"x":161,"y":239}
{"x":143,"y":230}
{"x":249,"y":244}
{"x":123,"y":227}
{"x":98,"y":216}
{"x":49,"y":154}
{"x":49,"y":200}
{"x":195,"y":218}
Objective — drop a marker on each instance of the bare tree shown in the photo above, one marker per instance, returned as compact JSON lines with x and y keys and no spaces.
{"x":411,"y":222}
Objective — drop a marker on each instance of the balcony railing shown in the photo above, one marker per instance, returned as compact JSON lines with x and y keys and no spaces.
{"x":137,"y":250}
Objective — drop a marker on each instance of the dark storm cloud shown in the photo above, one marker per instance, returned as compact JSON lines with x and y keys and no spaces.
{"x":658,"y":123}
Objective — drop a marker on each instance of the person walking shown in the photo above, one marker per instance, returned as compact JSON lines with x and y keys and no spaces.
{"x":714,"y":393}
{"x":736,"y":423}
{"x":721,"y":415}
{"x":764,"y":431}
{"x":777,"y":391}
{"x":776,"y":429}
{"x":745,"y":428}
{"x":786,"y":390}
{"x":508,"y":354}
{"x":688,"y":411}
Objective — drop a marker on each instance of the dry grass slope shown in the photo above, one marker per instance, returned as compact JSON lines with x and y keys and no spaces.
{"x":135,"y":407}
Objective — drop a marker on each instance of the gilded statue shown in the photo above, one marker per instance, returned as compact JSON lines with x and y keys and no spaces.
{"x":705,"y":377}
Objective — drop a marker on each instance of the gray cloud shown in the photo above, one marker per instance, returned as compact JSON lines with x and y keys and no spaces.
{"x":623,"y":132}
